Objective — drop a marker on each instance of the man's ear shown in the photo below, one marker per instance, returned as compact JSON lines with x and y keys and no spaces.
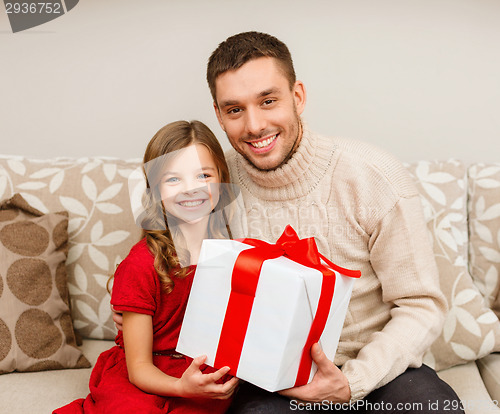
{"x":300,"y":96}
{"x":217,"y":114}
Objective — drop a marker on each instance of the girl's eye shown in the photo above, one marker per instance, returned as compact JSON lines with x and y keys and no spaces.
{"x":172,"y":180}
{"x":204,"y":176}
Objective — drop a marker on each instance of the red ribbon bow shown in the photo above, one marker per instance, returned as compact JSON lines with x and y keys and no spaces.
{"x":245,"y":278}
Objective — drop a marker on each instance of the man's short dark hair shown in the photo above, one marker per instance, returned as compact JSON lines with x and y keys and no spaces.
{"x":238,"y":49}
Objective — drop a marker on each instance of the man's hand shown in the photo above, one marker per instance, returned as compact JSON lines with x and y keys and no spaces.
{"x":117,"y":319}
{"x":329,"y":383}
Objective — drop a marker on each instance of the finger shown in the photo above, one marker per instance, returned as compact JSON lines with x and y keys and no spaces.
{"x":226,"y":390}
{"x":217,"y":375}
{"x":299,"y":393}
{"x":319,"y":356}
{"x":118,"y":318}
{"x":197,"y":363}
{"x":118,"y":321}
{"x":230,"y":386}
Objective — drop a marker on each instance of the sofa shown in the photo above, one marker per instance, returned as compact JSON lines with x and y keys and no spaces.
{"x":84,"y":204}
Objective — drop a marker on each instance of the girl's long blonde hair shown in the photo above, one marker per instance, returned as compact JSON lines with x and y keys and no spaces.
{"x":159,"y":236}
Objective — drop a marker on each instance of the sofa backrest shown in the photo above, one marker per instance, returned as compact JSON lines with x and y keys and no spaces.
{"x":458,"y":200}
{"x":101,"y":227}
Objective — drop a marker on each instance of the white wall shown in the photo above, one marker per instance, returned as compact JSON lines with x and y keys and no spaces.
{"x":417,"y":77}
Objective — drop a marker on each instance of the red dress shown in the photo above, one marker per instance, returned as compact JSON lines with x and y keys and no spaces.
{"x":137,"y":289}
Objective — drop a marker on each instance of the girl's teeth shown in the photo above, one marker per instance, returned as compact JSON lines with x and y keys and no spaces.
{"x":264,"y":143}
{"x":191,"y":203}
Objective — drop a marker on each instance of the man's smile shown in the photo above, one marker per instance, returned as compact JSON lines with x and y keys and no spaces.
{"x":264,"y":144}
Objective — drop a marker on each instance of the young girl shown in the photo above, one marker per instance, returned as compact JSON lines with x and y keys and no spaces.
{"x":184,"y":165}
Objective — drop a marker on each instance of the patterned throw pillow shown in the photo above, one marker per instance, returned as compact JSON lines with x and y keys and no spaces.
{"x":484,"y":228}
{"x":471,"y":329}
{"x":36,"y":331}
{"x":101,"y":225}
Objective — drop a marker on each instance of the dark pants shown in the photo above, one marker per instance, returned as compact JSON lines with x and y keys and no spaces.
{"x":418,"y":390}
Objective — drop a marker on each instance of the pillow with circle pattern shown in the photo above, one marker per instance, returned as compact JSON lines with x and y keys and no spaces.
{"x":36,"y":330}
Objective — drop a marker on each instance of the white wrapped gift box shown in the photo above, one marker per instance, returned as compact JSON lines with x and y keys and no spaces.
{"x":285,"y":303}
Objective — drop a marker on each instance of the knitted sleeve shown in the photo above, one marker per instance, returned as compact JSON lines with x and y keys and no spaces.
{"x":401,"y":277}
{"x":402,"y":259}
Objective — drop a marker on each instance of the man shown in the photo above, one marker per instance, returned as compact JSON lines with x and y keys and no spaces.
{"x":364,"y":212}
{"x":362,"y":208}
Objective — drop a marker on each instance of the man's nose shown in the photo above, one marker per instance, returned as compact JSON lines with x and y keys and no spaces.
{"x":255,"y":122}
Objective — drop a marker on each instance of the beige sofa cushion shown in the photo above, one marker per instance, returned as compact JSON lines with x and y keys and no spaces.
{"x":43,"y":392}
{"x":36,"y":332}
{"x":471,"y":329}
{"x":484,"y":227}
{"x":101,"y":226}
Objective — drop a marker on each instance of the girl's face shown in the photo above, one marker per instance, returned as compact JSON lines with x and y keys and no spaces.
{"x":189,"y":185}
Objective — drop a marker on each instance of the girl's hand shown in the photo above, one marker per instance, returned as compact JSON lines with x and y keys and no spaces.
{"x":195,"y":383}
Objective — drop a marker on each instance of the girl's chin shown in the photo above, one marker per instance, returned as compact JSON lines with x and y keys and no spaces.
{"x":189,"y":220}
{"x":194,"y":221}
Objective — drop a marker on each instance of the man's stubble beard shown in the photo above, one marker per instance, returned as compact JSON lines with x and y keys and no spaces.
{"x":298,"y":137}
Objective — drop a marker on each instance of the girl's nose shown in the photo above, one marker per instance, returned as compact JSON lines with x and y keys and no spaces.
{"x":192,"y":187}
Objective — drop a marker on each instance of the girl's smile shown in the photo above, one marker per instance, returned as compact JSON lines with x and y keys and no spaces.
{"x":191,"y":203}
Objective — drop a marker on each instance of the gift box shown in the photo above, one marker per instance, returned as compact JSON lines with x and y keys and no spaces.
{"x":258,"y":308}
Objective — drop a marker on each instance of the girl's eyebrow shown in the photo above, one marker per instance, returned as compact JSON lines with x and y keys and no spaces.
{"x":176,"y":173}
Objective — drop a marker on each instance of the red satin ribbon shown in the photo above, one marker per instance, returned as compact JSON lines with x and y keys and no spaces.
{"x":244,"y":281}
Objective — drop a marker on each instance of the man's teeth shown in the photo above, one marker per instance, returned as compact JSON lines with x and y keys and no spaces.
{"x":191,"y":203}
{"x":265,"y":143}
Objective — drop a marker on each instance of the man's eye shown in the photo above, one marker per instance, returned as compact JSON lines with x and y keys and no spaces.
{"x":234,"y":111}
{"x":268,"y":101}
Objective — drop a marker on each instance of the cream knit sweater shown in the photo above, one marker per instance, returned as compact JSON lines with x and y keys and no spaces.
{"x":364,"y":211}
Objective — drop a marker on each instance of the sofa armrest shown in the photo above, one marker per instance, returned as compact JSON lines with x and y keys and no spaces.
{"x":489,"y":367}
{"x":467,"y":383}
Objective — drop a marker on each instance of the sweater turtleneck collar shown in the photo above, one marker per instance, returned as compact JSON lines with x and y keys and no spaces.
{"x":297,"y":177}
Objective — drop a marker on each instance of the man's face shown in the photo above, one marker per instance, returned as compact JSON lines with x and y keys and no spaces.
{"x":259,"y":112}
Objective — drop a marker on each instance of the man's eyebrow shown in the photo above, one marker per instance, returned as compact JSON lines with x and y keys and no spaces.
{"x":265,"y":92}
{"x":224,"y":104}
